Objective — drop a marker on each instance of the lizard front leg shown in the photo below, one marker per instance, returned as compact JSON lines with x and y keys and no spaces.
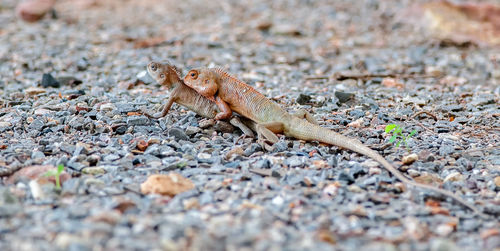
{"x":173,"y":97}
{"x":225,"y":111}
{"x":301,"y":114}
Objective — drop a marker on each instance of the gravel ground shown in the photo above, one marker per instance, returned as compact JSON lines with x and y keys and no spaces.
{"x":301,"y":196}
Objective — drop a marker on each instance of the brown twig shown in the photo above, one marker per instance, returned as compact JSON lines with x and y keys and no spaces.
{"x":479,"y":149}
{"x":426,"y":112}
{"x":344,"y":76}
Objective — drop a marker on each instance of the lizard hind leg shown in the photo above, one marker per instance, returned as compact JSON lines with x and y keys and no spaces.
{"x":303,"y":114}
{"x":247,"y":132}
{"x":266,"y":136}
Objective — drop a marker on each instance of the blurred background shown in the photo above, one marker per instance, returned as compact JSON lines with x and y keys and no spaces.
{"x":266,"y":41}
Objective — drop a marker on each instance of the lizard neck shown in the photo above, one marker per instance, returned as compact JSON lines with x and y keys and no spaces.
{"x":173,"y":80}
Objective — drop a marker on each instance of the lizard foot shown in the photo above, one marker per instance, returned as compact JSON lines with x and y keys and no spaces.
{"x":151,"y":116}
{"x":265,"y":144}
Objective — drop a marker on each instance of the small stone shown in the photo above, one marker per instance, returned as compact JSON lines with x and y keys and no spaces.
{"x":68,"y":80}
{"x":32,"y":91}
{"x":497,"y":181}
{"x":36,"y":190}
{"x":137,"y":120}
{"x":42,"y":111}
{"x":32,"y":11}
{"x":278,"y":201}
{"x":408,"y":159}
{"x":37,"y":155}
{"x":224,"y":127}
{"x":356,"y":124}
{"x":331,"y":189}
{"x":178,"y":134}
{"x":125,"y":85}
{"x":237,"y":151}
{"x":144,"y":77}
{"x":142,"y":145}
{"x":121,"y":129}
{"x":191,"y":130}
{"x":171,"y":184}
{"x":286,"y":30}
{"x":344,"y":96}
{"x":49,"y":81}
{"x":374,"y":171}
{"x":107,"y":107}
{"x":452,"y":177}
{"x":206,"y":123}
{"x":303,"y":99}
{"x":444,"y":229}
{"x":4,"y":124}
{"x":391,"y":83}
{"x":82,"y":107}
{"x":82,"y":64}
{"x":203,"y":156}
{"x":93,"y":170}
{"x":355,"y":188}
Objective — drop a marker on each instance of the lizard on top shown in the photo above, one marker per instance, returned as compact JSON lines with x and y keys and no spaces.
{"x":232,"y":94}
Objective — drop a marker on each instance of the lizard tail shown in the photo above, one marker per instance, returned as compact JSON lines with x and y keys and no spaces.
{"x":301,"y":129}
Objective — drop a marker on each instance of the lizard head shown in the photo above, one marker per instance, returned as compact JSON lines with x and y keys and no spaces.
{"x":164,"y":74}
{"x":203,"y":81}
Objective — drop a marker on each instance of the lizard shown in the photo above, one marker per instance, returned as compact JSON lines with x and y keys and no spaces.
{"x":168,"y":75}
{"x":232,"y":94}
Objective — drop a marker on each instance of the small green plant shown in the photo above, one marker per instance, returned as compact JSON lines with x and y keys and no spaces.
{"x":397,"y":132}
{"x":56,"y":174}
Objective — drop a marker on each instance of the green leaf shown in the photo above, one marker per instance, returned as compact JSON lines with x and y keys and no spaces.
{"x":389,"y":128}
{"x":393,"y":138}
{"x":412,"y":133}
{"x":399,"y":143}
{"x":60,"y":168}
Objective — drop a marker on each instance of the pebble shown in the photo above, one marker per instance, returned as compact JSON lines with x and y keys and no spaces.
{"x":178,"y":134}
{"x":497,"y":181}
{"x":408,"y":159}
{"x":137,"y":120}
{"x":191,"y":130}
{"x":452,"y":177}
{"x":344,"y":96}
{"x":171,"y":184}
{"x":32,"y":91}
{"x":93,"y":170}
{"x":49,"y":81}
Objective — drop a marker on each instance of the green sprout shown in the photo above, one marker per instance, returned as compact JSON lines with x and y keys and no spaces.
{"x":397,"y":132}
{"x":56,"y":174}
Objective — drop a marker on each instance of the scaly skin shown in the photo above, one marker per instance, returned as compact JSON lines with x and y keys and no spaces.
{"x":167,"y":74}
{"x":231,"y":94}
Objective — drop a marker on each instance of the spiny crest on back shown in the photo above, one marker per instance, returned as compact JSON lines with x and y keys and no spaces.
{"x":176,"y":70}
{"x":221,"y":71}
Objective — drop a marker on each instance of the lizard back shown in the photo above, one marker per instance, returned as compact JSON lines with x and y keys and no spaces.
{"x":245,"y":100}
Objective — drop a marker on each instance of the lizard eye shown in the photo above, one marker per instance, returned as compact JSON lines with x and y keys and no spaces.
{"x":162,"y":75}
{"x":153,"y":67}
{"x":193,"y":74}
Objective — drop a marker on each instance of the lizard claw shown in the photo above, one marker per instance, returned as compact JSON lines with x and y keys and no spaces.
{"x":145,"y":113}
{"x":266,"y":144}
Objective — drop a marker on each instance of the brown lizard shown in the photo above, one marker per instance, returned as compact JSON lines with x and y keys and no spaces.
{"x":232,"y":94}
{"x":168,"y":75}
